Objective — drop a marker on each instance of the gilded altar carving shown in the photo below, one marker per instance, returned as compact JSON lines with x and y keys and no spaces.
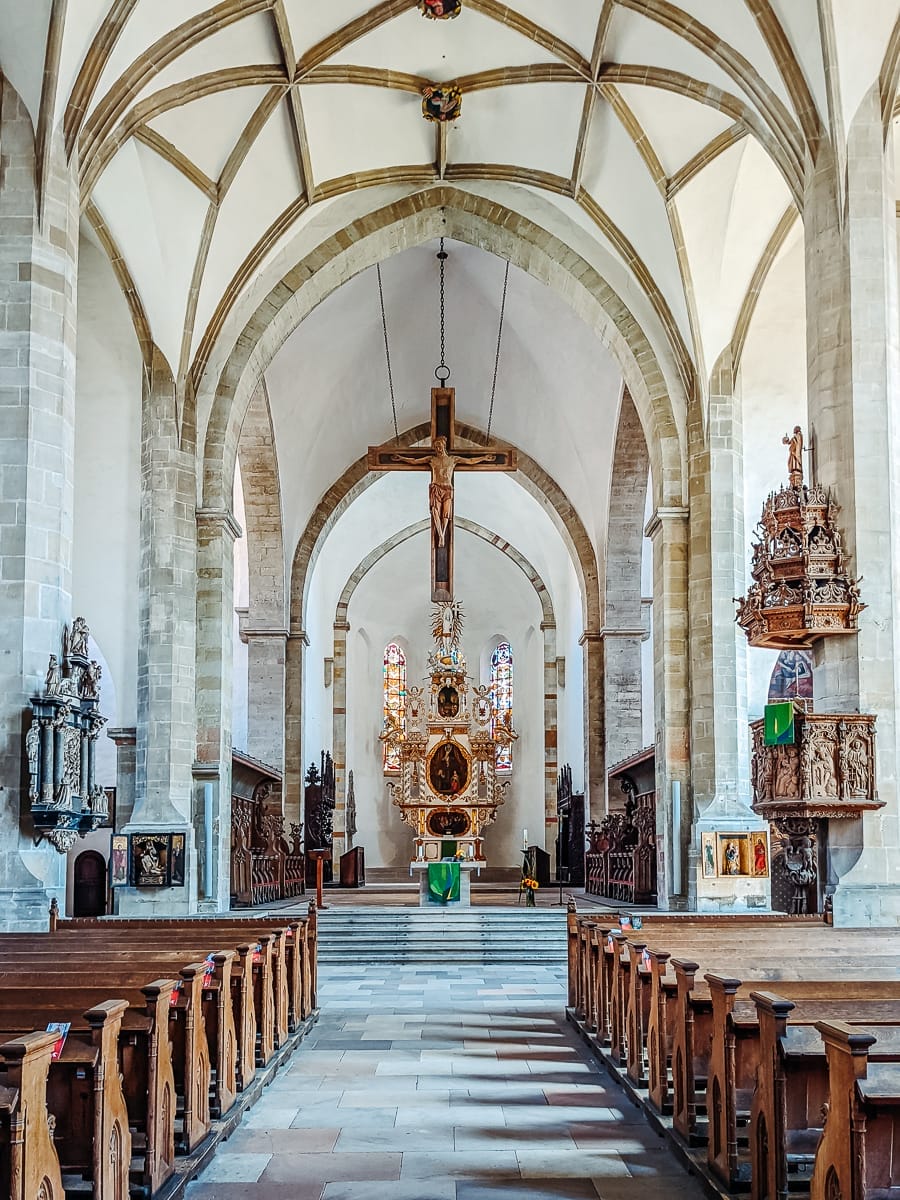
{"x":828,"y":772}
{"x":448,"y":749}
{"x":801,"y":588}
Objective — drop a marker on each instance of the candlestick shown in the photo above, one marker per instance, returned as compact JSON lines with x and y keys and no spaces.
{"x":524,"y":839}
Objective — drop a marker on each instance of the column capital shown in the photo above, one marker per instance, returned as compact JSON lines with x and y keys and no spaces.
{"x":256,"y":633}
{"x":546,"y":625}
{"x":662,"y":516}
{"x":221,"y":517}
{"x":123,"y":737}
{"x":590,"y":635}
{"x":629,"y":631}
{"x":298,"y":635}
{"x":341,"y":627}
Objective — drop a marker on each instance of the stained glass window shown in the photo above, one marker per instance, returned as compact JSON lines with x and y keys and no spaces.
{"x":502,"y":697}
{"x":394,"y":698}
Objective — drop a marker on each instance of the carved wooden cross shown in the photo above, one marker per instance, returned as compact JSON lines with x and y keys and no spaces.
{"x":442,"y":458}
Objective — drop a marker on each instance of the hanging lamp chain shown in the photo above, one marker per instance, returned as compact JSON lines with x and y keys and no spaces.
{"x":442,"y":374}
{"x":387,"y":353}
{"x":497,"y":355}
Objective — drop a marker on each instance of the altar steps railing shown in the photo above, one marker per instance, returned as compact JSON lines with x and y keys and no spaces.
{"x":396,"y":935}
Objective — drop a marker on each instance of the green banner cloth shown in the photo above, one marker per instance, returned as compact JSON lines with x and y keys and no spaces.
{"x":443,"y":881}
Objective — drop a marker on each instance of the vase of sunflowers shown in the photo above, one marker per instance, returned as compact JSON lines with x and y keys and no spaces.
{"x":529,"y":886}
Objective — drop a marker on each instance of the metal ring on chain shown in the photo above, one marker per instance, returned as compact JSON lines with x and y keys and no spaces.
{"x":442,"y":373}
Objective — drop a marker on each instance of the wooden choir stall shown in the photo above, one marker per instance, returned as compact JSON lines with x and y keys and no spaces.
{"x":265,"y":864}
{"x":620,"y":863}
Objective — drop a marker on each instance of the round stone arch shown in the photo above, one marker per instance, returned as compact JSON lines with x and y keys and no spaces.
{"x":339,"y":652}
{"x":441,"y":210}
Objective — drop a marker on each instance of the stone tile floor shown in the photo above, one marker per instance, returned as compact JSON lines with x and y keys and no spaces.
{"x":464,"y":1084}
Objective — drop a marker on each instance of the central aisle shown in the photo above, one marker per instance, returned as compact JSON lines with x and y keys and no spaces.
{"x":464,"y":1084}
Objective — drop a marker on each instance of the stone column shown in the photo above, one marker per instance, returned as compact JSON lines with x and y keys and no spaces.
{"x":551,"y":734}
{"x":591,"y":642}
{"x":339,"y":731}
{"x":266,"y":658}
{"x":295,"y":665}
{"x":216,"y":533}
{"x":38,"y":276}
{"x":852,"y":353}
{"x":166,"y":697}
{"x":623,"y":630}
{"x":720,"y":756}
{"x":126,"y":742}
{"x":668,"y":530}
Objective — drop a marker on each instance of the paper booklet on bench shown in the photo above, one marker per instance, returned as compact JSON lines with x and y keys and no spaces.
{"x":62,"y":1028}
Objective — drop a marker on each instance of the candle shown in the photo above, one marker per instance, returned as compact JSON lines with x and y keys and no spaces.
{"x":524,"y":839}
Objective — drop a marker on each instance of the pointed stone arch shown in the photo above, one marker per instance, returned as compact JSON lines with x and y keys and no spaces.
{"x":342,"y":628}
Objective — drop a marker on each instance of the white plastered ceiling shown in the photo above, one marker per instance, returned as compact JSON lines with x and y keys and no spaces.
{"x":672,"y":135}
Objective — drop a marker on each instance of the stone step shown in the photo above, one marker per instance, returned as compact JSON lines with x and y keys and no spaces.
{"x":461,"y":936}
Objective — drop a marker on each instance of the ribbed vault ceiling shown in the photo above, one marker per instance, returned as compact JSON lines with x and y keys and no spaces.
{"x":208,"y":137}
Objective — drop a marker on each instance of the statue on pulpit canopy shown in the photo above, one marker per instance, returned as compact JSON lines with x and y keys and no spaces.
{"x":794,"y":444}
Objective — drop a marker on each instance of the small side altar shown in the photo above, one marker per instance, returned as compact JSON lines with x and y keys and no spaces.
{"x":447,"y":787}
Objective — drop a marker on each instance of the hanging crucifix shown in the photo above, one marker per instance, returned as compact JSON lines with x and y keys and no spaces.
{"x":442,"y":458}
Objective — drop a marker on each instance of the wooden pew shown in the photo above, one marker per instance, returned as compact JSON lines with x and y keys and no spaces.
{"x":791,"y":1094}
{"x":187,"y":1026}
{"x":292,"y":962}
{"x":301,"y":941}
{"x":735,"y":1059}
{"x":694,"y":1025}
{"x":145,"y":1063}
{"x":858,"y":1156}
{"x":29,"y":1164}
{"x":84,"y":1098}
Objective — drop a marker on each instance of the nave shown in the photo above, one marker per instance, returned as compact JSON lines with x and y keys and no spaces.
{"x":456,"y":1084}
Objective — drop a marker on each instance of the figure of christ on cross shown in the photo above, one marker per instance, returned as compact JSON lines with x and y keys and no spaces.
{"x":442,"y":459}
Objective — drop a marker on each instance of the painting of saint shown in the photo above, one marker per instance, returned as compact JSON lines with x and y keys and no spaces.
{"x":448,"y":702}
{"x":441,"y":104}
{"x":118,"y":865}
{"x":448,"y":769}
{"x":440,"y":10}
{"x":709,"y":856}
{"x":176,"y":859}
{"x":760,"y":855}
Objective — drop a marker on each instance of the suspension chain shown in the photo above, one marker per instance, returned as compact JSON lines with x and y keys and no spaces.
{"x":497,"y":355}
{"x":442,"y":374}
{"x":387,"y":353}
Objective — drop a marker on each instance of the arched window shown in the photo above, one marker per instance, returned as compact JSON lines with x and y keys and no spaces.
{"x":502,"y":696}
{"x":394,"y":698}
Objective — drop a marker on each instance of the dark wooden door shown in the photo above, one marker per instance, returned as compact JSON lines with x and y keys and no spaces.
{"x":89,"y":893}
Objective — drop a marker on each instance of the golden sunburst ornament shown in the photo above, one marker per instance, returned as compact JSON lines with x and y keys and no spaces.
{"x":440,"y":10}
{"x":441,"y":103}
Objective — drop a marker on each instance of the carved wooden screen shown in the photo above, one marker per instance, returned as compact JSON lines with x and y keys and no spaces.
{"x":394,"y":699}
{"x":502,"y":697}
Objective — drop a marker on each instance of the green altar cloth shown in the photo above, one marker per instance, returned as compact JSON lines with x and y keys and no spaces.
{"x":443,"y":881}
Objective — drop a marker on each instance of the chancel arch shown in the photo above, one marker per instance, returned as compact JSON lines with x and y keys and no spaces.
{"x":342,"y":629}
{"x":373,"y":612}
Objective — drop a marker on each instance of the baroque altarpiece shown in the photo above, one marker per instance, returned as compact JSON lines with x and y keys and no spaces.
{"x":448,"y":787}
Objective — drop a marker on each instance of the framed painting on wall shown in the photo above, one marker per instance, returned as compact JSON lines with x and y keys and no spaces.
{"x":118,"y":861}
{"x":150,"y":859}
